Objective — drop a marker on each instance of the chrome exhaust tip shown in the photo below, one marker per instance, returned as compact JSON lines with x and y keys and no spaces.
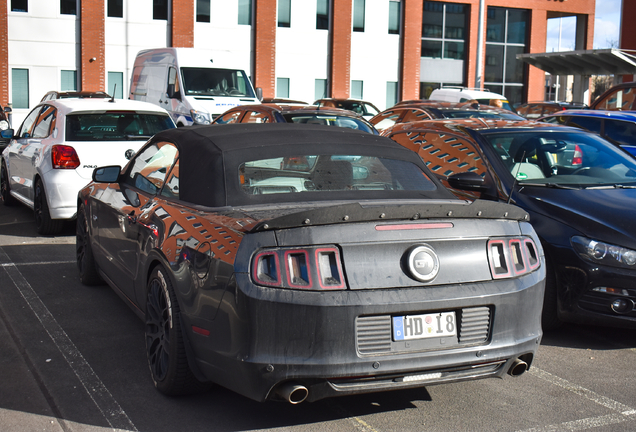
{"x":519,"y":367}
{"x":293,"y":393}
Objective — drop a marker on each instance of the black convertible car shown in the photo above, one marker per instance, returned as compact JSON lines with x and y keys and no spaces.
{"x":580,"y":192}
{"x":299,"y":262}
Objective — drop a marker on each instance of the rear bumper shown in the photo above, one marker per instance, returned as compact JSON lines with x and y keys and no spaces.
{"x":273,"y":337}
{"x":62,"y":187}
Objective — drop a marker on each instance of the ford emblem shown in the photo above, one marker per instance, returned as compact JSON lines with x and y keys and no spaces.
{"x":423,"y":263}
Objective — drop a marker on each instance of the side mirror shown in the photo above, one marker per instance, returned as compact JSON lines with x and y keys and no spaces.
{"x":259,"y":93}
{"x":108,"y":174}
{"x":7,"y":133}
{"x":468,"y":181}
{"x":172,"y":93}
{"x":7,"y":109}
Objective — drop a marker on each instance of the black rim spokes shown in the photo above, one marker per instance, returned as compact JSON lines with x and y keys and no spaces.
{"x":157,"y":331}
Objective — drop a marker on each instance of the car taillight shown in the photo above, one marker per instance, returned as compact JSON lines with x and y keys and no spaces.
{"x":512,"y":257}
{"x":64,"y":157}
{"x":578,"y":156}
{"x":315,"y":268}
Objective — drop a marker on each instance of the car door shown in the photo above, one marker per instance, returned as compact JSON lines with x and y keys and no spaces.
{"x":120,"y":213}
{"x":20,"y":153}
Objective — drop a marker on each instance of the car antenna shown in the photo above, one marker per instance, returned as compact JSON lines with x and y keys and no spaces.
{"x":112,"y":98}
{"x":514,"y":183}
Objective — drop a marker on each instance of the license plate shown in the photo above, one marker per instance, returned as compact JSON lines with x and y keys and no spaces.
{"x":424,"y":326}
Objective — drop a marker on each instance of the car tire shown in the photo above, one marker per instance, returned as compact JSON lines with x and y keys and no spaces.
{"x":43,"y":223}
{"x":5,"y":188}
{"x":165,"y":345}
{"x":84,"y":252}
{"x":550,"y":315}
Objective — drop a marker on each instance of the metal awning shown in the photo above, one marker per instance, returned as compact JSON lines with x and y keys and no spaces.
{"x":586,"y":62}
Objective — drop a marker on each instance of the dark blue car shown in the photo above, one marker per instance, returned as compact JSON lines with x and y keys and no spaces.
{"x":615,"y":126}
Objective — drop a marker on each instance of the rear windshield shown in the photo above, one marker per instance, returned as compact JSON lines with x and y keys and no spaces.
{"x":329,"y":120}
{"x":336,"y":173}
{"x":115,"y":126}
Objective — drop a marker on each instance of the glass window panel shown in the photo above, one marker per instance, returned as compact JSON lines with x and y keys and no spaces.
{"x":203,"y":11}
{"x":455,"y":21}
{"x":358,"y":15}
{"x":115,"y":8}
{"x":68,"y":7}
{"x":432,"y":19}
{"x":496,"y":24}
{"x":284,"y":13}
{"x":514,"y":94}
{"x":356,"y":89}
{"x":514,"y":67}
{"x":391,"y":93}
{"x":322,"y":14}
{"x":394,"y":17}
{"x":19,"y":5}
{"x":517,"y":19}
{"x":494,"y":63}
{"x":116,"y":84}
{"x":42,"y":127}
{"x":432,"y":49}
{"x":282,"y":87}
{"x":68,"y":80}
{"x":454,"y":50}
{"x":320,"y":88}
{"x":160,"y":9}
{"x":20,"y":88}
{"x":245,"y":12}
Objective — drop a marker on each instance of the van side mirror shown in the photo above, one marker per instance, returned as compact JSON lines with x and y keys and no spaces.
{"x":259,"y":93}
{"x":172,"y":93}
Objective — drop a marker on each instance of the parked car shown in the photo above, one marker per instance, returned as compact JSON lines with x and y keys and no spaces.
{"x":283,"y":101}
{"x":617,"y":127}
{"x":53,"y":153}
{"x":535,"y":110}
{"x":620,"y":97}
{"x":464,"y":94}
{"x":305,"y":114}
{"x":417,"y":111}
{"x":579,"y":190}
{"x":356,"y":273}
{"x":75,"y":94}
{"x":4,"y":125}
{"x":361,"y":107}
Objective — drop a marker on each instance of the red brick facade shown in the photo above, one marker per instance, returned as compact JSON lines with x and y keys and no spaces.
{"x":628,"y":35}
{"x":182,"y":31}
{"x":265,"y":25}
{"x":4,"y":54}
{"x":340,"y":48}
{"x":411,"y":50}
{"x":92,"y":46}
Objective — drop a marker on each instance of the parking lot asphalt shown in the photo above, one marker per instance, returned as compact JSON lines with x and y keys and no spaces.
{"x":72,"y":359}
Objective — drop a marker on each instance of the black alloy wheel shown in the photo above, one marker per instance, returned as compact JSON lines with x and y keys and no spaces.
{"x":43,"y":223}
{"x":165,"y":346}
{"x":84,"y":252}
{"x":5,"y":188}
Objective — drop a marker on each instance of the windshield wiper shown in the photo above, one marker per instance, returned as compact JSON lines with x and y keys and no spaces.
{"x":551,"y":185}
{"x":614,"y":186}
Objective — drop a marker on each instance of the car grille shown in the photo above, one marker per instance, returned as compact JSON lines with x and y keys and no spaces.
{"x":373,"y":333}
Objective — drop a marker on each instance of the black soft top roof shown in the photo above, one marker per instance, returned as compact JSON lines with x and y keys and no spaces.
{"x":210,"y":156}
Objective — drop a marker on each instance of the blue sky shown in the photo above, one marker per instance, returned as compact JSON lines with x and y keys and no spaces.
{"x":606,"y":28}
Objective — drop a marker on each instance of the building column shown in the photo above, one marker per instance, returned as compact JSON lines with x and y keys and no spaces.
{"x":411,"y":49}
{"x":92,"y":46}
{"x":4,"y":54}
{"x":627,"y":38}
{"x":538,"y":39}
{"x":340,"y":49}
{"x":264,"y":63}
{"x":182,"y":25}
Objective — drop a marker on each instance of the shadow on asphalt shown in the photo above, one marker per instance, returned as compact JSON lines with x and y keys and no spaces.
{"x":18,"y":221}
{"x":592,"y":337}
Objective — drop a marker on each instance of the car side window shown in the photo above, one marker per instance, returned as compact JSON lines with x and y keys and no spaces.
{"x":255,"y":117}
{"x":621,"y":131}
{"x":150,"y":167}
{"x":231,"y":117}
{"x":45,"y":123}
{"x":588,"y":123}
{"x":27,"y":125}
{"x":171,"y":187}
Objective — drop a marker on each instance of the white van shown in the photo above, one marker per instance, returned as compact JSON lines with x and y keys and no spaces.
{"x":463,"y":94}
{"x":189,"y":84}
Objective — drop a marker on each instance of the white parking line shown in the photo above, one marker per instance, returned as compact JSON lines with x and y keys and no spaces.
{"x":623,"y":412}
{"x":97,"y":391}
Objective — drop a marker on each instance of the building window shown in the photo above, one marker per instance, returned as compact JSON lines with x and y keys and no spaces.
{"x":282,"y":87}
{"x":322,"y":14}
{"x":394,"y":17}
{"x":19,"y":5}
{"x":20,"y":88}
{"x":356,"y":89}
{"x":245,"y":12}
{"x":358,"y":15}
{"x":116,"y":84}
{"x":391,"y":93}
{"x":115,"y":8}
{"x":160,"y":9}
{"x":203,"y":11}
{"x":320,"y":89}
{"x":68,"y":7}
{"x":444,"y":30}
{"x":506,"y":36}
{"x":284,"y":13}
{"x":68,"y":80}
